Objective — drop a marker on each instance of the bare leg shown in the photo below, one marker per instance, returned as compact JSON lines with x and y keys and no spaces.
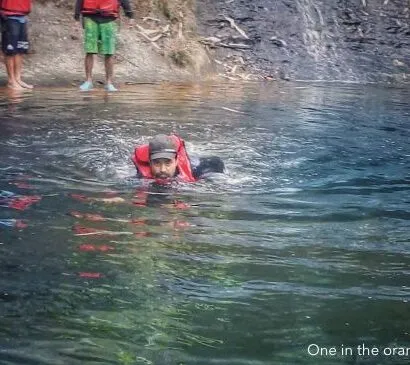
{"x":89,"y":64}
{"x":18,"y":65}
{"x":109,"y":69}
{"x":10,"y":67}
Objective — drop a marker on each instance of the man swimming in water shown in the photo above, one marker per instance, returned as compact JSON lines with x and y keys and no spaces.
{"x":165,"y":157}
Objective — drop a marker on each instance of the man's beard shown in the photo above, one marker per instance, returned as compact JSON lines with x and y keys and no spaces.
{"x":162,"y":176}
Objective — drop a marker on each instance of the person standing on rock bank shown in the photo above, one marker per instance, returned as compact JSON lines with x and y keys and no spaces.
{"x":100,"y":30}
{"x":14,"y":39}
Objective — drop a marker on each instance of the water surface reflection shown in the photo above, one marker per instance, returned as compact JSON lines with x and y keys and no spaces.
{"x":304,"y":240}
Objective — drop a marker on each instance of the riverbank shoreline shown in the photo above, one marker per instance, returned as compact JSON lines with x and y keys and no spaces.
{"x":56,"y":55}
{"x":188,"y":41}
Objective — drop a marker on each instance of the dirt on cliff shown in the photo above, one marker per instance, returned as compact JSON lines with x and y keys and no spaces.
{"x":160,"y":45}
{"x":181,"y":40}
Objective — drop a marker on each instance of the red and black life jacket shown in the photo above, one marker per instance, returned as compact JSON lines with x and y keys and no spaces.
{"x":15,"y":7}
{"x":142,"y":161}
{"x":102,"y":7}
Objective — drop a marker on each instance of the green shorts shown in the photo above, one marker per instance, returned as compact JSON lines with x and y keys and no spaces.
{"x":99,"y":37}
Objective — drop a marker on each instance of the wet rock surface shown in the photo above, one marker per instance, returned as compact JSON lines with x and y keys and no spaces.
{"x":348,"y":40}
{"x":329,"y":40}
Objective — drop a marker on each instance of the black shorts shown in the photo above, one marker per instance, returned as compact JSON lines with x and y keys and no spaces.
{"x":14,"y":37}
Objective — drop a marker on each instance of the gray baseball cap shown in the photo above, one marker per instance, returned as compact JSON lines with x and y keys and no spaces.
{"x":162,"y":146}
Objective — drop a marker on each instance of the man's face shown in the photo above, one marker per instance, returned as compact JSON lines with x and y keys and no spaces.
{"x":163,"y":168}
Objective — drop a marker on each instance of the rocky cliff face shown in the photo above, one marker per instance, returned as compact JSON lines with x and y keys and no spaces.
{"x":348,"y":40}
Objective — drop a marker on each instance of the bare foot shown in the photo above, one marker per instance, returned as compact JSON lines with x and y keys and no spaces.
{"x":14,"y":86}
{"x":23,"y":84}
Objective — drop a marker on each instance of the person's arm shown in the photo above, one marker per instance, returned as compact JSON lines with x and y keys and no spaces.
{"x":208,"y":165}
{"x":78,"y":8}
{"x":127,"y":8}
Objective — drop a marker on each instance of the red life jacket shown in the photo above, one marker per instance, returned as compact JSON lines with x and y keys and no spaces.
{"x":15,"y":7}
{"x":142,"y":161}
{"x":103,"y":7}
